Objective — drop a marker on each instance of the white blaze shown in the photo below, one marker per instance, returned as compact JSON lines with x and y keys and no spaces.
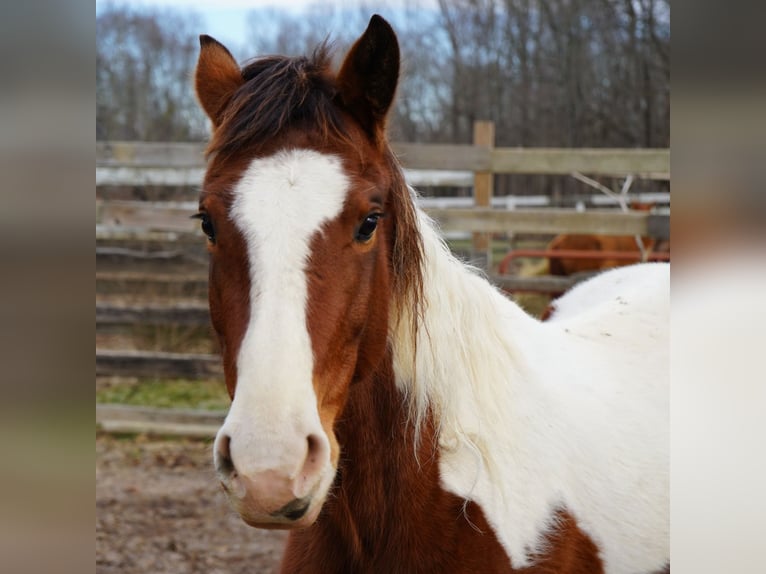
{"x":279,"y":204}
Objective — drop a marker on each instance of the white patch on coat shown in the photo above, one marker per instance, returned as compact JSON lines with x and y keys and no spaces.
{"x":280,"y":204}
{"x":570,"y":414}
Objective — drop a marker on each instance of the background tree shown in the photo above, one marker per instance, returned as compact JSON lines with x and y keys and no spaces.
{"x":144,"y":60}
{"x":570,"y":73}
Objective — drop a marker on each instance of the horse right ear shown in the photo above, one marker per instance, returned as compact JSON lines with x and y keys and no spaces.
{"x":369,"y":74}
{"x":216,"y":79}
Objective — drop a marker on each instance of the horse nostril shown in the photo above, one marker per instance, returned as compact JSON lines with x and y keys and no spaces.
{"x":223,"y":463}
{"x":314,"y":445}
{"x":316,"y":453}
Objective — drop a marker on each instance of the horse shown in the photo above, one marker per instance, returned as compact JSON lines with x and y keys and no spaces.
{"x":390,"y":408}
{"x":616,"y":250}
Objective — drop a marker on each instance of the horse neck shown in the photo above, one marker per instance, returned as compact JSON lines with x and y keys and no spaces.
{"x":479,"y":366}
{"x":385,"y":465}
{"x":472,"y":343}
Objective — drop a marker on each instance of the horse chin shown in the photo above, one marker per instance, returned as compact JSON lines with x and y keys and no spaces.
{"x":267,"y":522}
{"x":258,"y":519}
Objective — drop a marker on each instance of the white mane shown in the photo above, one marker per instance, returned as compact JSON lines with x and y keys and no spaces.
{"x":533,"y":417}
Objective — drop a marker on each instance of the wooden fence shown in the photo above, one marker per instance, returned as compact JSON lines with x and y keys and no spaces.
{"x":152,"y":163}
{"x":153,"y":246}
{"x":125,"y":163}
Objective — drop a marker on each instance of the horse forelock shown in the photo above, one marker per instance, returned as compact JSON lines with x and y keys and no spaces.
{"x":278,"y":93}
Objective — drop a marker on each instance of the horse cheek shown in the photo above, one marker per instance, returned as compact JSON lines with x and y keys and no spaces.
{"x":373,"y":340}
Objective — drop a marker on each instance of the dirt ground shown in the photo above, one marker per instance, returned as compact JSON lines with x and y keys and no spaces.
{"x":159,"y":509}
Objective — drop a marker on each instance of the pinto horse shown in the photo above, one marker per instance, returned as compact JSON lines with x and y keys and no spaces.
{"x":389,"y":406}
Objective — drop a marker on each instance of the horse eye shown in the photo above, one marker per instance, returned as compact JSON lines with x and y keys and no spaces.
{"x":367,"y":228}
{"x":207,"y":226}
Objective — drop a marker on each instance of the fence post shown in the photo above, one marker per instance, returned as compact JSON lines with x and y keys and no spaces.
{"x":484,"y":136}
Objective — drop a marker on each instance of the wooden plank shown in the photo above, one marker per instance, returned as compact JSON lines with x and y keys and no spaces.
{"x":132,"y":214}
{"x":647,"y":163}
{"x":442,"y":156}
{"x":156,"y":364}
{"x":179,"y":313}
{"x":193,"y":176}
{"x":552,"y":221}
{"x":164,"y":216}
{"x":483,"y":137}
{"x":163,"y":155}
{"x":148,"y":420}
{"x":131,"y":255}
{"x":127,"y":253}
{"x":158,"y":428}
{"x":150,"y":154}
{"x":114,"y":259}
{"x":540,"y":284}
{"x":122,"y":233}
{"x":131,"y":282}
{"x":420,"y":178}
{"x":119,"y":412}
{"x":138,"y":277}
{"x":174,"y":217}
{"x":133,"y":247}
{"x":165,"y":176}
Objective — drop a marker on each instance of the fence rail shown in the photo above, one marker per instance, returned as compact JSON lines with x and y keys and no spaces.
{"x":177,"y":422}
{"x":177,"y":313}
{"x":153,"y":159}
{"x":156,"y":364}
{"x":127,"y":216}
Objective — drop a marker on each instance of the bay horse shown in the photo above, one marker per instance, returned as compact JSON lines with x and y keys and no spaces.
{"x":389,"y":406}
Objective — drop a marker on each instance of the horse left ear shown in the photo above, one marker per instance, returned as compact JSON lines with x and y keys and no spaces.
{"x":369,"y":74}
{"x":216,"y":78}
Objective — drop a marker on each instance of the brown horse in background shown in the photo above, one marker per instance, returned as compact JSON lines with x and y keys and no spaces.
{"x":616,"y":250}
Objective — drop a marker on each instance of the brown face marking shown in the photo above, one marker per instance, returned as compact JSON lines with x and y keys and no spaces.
{"x":348,"y":293}
{"x":229,"y":277}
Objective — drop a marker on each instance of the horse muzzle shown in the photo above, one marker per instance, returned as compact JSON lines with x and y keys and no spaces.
{"x":277,"y":497}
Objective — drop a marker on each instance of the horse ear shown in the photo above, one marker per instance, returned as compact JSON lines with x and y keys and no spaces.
{"x":369,"y":74}
{"x":216,"y":78}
